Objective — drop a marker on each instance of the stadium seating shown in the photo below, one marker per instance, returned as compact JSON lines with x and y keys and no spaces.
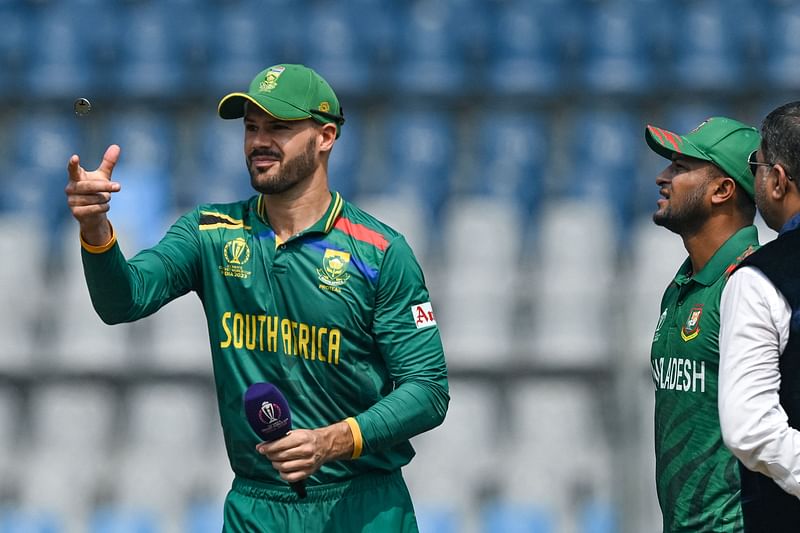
{"x":782,"y":53}
{"x":603,"y":158}
{"x":618,"y":55}
{"x":706,"y":56}
{"x":477,"y":314}
{"x":657,"y":254}
{"x":237,"y":50}
{"x":512,"y":155}
{"x":13,"y":47}
{"x":503,"y":138}
{"x":23,"y":295}
{"x":59,"y":62}
{"x":472,"y":429}
{"x":420,"y":155}
{"x":180,"y":338}
{"x":336,"y":47}
{"x":151,"y":56}
{"x":431,"y":62}
{"x":526,"y":50}
{"x":147,"y":139}
{"x":345,"y":164}
{"x":66,"y":460}
{"x":570,"y":325}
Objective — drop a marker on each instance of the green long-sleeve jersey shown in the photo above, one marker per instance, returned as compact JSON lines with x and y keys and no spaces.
{"x":338,"y":318}
{"x":696,"y":476}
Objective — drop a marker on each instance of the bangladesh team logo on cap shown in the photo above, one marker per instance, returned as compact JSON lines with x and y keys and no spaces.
{"x":271,"y":79}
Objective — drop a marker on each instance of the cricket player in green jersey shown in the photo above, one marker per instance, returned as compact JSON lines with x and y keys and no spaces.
{"x":707,"y":199}
{"x":301,"y":289}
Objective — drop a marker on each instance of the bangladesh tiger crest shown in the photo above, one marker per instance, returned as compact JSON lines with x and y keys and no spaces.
{"x":691,"y":328}
{"x":334,"y":269}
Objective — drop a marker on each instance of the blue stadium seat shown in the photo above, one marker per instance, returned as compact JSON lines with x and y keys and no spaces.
{"x":421,"y":155}
{"x":782,"y":62}
{"x":238,"y":49}
{"x":59,"y":62}
{"x":431,"y":58}
{"x":205,"y":518}
{"x":431,"y":519}
{"x":525,"y":50}
{"x":336,"y":49}
{"x":220,"y":170}
{"x":117,"y":520}
{"x":345,"y":161}
{"x":379,"y":32}
{"x":148,"y":143}
{"x":42,"y":143}
{"x":598,"y":517}
{"x":513,"y":154}
{"x":509,"y":518}
{"x":151,"y":61}
{"x":708,"y":53}
{"x":17,"y":521}
{"x":605,"y":144}
{"x":13,"y":46}
{"x":617,"y":55}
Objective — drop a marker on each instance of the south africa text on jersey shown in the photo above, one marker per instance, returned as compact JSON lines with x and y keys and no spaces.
{"x":267,"y":333}
{"x":679,"y":374}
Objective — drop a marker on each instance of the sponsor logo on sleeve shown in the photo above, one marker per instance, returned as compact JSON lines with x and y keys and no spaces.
{"x":423,"y":315}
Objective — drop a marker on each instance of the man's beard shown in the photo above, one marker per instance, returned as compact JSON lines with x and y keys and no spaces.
{"x":292,"y":172}
{"x":686,"y":219}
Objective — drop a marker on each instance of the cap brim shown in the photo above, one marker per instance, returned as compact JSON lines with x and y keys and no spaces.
{"x":232,"y":106}
{"x":666,"y":144}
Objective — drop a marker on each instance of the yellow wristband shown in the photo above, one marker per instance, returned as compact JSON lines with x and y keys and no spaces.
{"x":92,"y":249}
{"x":358,"y":442}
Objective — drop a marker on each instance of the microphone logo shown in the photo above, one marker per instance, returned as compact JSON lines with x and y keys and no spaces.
{"x":269,"y":412}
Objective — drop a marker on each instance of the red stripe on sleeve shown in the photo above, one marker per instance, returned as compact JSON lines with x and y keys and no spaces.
{"x":362,"y":233}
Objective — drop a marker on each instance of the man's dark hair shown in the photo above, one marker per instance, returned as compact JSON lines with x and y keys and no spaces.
{"x":780,"y":138}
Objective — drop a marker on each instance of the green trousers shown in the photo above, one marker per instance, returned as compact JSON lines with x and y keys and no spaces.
{"x":373,"y":503}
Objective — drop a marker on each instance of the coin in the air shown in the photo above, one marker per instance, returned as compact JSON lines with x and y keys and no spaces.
{"x":82,"y":106}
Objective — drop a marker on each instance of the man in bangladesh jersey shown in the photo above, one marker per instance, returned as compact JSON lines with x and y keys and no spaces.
{"x":707,"y":199}
{"x":300,"y":289}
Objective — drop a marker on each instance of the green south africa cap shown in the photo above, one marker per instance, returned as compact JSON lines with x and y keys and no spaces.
{"x":723,"y":141}
{"x":287,"y":92}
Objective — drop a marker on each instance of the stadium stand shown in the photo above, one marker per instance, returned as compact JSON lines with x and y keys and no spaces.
{"x":502,"y":137}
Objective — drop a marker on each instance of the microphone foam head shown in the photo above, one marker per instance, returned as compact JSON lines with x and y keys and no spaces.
{"x":267,"y":411}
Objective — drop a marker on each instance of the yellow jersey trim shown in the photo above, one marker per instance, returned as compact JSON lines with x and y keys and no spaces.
{"x":226,"y":221}
{"x":92,"y":249}
{"x":337,"y":208}
{"x":358,"y":442}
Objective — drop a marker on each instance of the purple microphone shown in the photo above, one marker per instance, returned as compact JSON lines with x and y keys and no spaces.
{"x":268,"y":414}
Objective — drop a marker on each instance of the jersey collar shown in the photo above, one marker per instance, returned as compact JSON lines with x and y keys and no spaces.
{"x":727,"y":254}
{"x":323,"y":225}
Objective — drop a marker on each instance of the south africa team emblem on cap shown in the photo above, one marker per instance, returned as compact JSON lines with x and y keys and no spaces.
{"x":270,"y":79}
{"x":691,"y":328}
{"x":334,"y":268}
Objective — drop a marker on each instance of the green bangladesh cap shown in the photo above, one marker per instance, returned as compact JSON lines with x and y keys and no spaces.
{"x":287,"y":92}
{"x":725,"y":142}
